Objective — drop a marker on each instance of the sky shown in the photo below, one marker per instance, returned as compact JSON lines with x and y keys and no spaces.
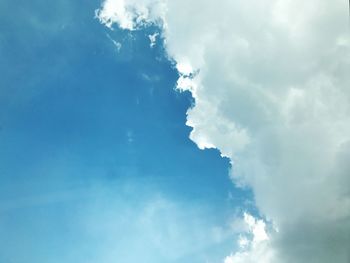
{"x":96,"y":163}
{"x":131,"y":133}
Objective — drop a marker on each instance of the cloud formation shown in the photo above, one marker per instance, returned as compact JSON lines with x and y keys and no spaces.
{"x":253,"y":243}
{"x":271,"y":86}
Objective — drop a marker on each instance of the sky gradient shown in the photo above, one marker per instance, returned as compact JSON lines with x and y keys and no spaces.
{"x":174,"y":131}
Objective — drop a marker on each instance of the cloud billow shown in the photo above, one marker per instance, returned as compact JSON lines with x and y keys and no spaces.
{"x":272,"y":94}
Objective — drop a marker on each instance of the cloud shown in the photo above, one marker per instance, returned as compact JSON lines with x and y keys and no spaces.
{"x":117,"y":44}
{"x":131,"y":14}
{"x":153,"y":39}
{"x":271,"y":86}
{"x":253,"y":244}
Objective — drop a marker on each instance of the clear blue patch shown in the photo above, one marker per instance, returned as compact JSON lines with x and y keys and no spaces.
{"x":87,"y":130}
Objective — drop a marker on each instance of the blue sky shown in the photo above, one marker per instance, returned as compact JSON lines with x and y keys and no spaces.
{"x":95,"y":160}
{"x":104,"y":160}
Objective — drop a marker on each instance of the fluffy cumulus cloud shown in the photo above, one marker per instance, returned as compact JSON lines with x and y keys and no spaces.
{"x":253,"y":243}
{"x":271,"y":85}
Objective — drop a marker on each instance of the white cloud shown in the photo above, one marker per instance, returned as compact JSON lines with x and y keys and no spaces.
{"x":253,"y":245}
{"x":131,"y":14}
{"x":272,"y":94}
{"x":153,"y":39}
{"x":117,"y":44}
